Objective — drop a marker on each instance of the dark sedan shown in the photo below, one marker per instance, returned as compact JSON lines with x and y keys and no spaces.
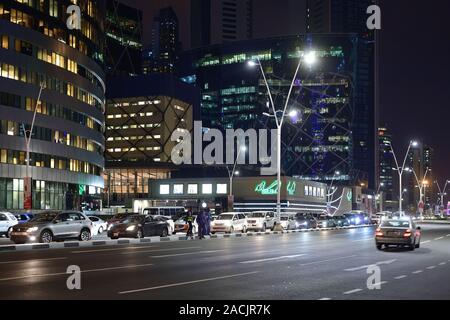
{"x":139,"y":226}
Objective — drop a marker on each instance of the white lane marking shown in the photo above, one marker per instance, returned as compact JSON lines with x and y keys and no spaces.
{"x":366,"y":239}
{"x":417,"y":272}
{"x":185,"y":254}
{"x":324,"y":299}
{"x":32,"y":260}
{"x":423,"y":242}
{"x":431,"y":267}
{"x":448,"y":235}
{"x":440,"y":238}
{"x":272,"y":259}
{"x":189,"y":282}
{"x":82,"y":271}
{"x":328,"y":260}
{"x":442,"y":263}
{"x":158,"y":250}
{"x":353,"y":291}
{"x":379,"y":283}
{"x":400,"y":277}
{"x":113,"y":249}
{"x":373,"y":264}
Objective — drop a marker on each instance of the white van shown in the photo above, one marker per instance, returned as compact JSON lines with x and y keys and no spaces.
{"x":7,"y":221}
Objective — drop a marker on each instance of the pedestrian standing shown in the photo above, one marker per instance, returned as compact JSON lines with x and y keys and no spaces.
{"x":201,"y":224}
{"x":189,"y":219}
{"x":208,"y":222}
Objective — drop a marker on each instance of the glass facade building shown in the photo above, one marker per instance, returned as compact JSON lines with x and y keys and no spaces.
{"x":329,"y":96}
{"x":67,"y":144}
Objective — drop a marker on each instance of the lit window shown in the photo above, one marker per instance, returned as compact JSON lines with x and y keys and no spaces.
{"x":178,"y":189}
{"x":192,"y":188}
{"x":207,"y":188}
{"x":221,"y":188}
{"x":164,"y":189}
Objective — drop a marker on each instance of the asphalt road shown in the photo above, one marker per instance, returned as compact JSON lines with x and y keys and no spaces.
{"x":315,"y":265}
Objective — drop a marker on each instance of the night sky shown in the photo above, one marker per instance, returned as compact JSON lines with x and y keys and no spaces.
{"x":415,"y":76}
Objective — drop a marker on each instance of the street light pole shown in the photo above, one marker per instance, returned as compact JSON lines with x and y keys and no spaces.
{"x":380,"y":196}
{"x":233,"y":171}
{"x":421,"y":185}
{"x":400,"y":171}
{"x":442,"y":192}
{"x":309,"y":58}
{"x":27,"y":135}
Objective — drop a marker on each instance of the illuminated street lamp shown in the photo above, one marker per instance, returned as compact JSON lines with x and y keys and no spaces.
{"x":308,"y":58}
{"x":401,"y":169}
{"x":442,"y":191}
{"x":422,"y":184}
{"x":233,"y":172}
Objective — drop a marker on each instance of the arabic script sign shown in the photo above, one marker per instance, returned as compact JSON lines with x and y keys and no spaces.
{"x":265,"y":189}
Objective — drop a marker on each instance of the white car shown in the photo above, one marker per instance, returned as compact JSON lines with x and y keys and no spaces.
{"x":7,"y":221}
{"x":229,"y":222}
{"x":287,"y":221}
{"x":169,"y":221}
{"x":260,"y":220}
{"x":98,"y":225}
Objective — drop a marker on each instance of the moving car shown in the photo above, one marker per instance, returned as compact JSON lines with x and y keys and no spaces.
{"x":357,"y":218}
{"x":181,"y":225}
{"x":53,"y":225}
{"x":98,"y":225}
{"x":24,"y":217}
{"x":260,"y":220}
{"x":341,"y":221}
{"x":139,"y":226}
{"x":7,"y":222}
{"x":398,"y":232}
{"x":305,"y":222}
{"x":229,"y":222}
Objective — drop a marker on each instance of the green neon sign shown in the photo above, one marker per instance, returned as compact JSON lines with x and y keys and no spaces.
{"x":272,"y":189}
{"x":349,"y":196}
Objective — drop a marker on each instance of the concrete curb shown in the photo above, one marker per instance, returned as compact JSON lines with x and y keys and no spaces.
{"x":97,"y":243}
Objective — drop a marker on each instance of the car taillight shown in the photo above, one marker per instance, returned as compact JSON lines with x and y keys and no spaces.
{"x":407,"y":233}
{"x":378,"y":233}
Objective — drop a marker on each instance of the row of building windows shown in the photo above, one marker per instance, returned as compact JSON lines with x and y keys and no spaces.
{"x":192,"y":189}
{"x":131,"y":115}
{"x":135,"y":126}
{"x":149,"y":137}
{"x":134,"y":149}
{"x":17,"y":73}
{"x":50,"y":109}
{"x":323,"y":148}
{"x":48,"y":161}
{"x":134,"y":104}
{"x":12,"y":128}
{"x":47,"y":28}
{"x":51,"y":57}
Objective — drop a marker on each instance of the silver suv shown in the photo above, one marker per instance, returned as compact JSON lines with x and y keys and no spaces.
{"x":53,"y":225}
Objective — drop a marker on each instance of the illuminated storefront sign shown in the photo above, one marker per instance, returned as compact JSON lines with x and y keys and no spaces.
{"x":272,"y":189}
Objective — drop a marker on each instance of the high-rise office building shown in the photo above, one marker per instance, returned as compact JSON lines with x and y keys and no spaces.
{"x":67,"y":143}
{"x":166,"y":46}
{"x":317,"y":144}
{"x":123,"y":27}
{"x":350,"y":16}
{"x":386,"y":179}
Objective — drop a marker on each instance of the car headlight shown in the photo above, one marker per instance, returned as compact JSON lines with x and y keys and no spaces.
{"x":297,"y":224}
{"x":357,"y":220}
{"x":131,"y":228}
{"x":32,"y":229}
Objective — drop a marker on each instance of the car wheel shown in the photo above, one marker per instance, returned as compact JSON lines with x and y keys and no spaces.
{"x":8,"y":233}
{"x":379,"y":246}
{"x":46,"y":237}
{"x":244,"y":229}
{"x":100,"y":230}
{"x":413,"y":246}
{"x":212,"y":232}
{"x":85,"y":235}
{"x":139,"y":234}
{"x":164,"y":232}
{"x":114,"y":238}
{"x":231,"y":230}
{"x":264,"y":228}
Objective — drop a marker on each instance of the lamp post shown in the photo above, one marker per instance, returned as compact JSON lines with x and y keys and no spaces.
{"x":442,"y":191}
{"x":379,"y":196}
{"x":232,"y":173}
{"x":27,"y":135}
{"x":308,"y":58}
{"x":421,"y":183}
{"x":400,"y":170}
{"x":331,"y":191}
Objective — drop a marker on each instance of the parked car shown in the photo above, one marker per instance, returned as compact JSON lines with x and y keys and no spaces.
{"x":117,"y":218}
{"x":7,"y":222}
{"x":287,"y":221}
{"x":356,"y":219}
{"x":229,"y":222}
{"x":398,"y":232}
{"x":260,"y":220}
{"x":377,"y":217}
{"x":181,"y":225}
{"x":53,"y":225}
{"x":169,"y":221}
{"x":24,"y":217}
{"x":305,"y":222}
{"x":98,"y":225}
{"x":139,"y":226}
{"x":341,"y":221}
{"x":325,"y":222}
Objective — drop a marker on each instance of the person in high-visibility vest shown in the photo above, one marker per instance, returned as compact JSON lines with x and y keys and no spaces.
{"x":189,"y":219}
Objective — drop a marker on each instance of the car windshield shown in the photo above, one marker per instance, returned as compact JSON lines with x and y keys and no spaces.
{"x":132,"y":219}
{"x":284,"y":218}
{"x":257,"y":215}
{"x":120,"y":216}
{"x":45,"y":217}
{"x":225,"y":217}
{"x":395,"y":223}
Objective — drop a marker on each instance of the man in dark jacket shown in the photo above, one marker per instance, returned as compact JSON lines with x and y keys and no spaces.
{"x":201,"y":224}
